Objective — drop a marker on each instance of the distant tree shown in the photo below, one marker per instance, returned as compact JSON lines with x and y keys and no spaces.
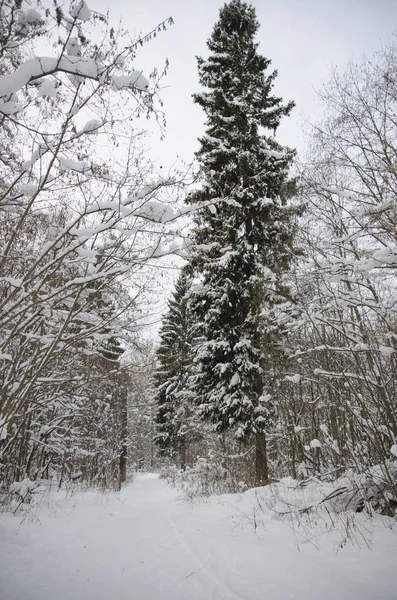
{"x":177,"y":336}
{"x":243,"y":241}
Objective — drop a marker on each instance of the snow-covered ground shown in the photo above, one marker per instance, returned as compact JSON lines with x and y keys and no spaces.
{"x":147,"y":543}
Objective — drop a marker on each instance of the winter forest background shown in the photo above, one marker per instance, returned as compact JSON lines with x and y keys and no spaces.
{"x":277,"y":355}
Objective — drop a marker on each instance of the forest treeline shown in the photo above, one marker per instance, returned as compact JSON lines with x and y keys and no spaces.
{"x":277,"y":356}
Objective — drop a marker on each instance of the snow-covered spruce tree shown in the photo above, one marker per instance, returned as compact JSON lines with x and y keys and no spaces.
{"x":243,"y":243}
{"x":177,"y":336}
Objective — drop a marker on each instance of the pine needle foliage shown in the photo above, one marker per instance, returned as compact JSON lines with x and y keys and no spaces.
{"x":243,"y":240}
{"x":174,"y":357}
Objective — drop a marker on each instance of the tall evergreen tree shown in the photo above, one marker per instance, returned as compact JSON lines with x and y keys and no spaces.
{"x":174,"y":357}
{"x":243,"y":241}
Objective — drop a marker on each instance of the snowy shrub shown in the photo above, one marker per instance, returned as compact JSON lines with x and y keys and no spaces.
{"x":25,"y":496}
{"x":348,"y":508}
{"x":216,"y":474}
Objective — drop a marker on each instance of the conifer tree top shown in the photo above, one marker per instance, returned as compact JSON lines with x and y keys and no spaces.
{"x":238,"y":97}
{"x":236,"y":16}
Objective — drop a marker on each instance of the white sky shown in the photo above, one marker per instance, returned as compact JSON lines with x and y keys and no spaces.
{"x":303,"y":38}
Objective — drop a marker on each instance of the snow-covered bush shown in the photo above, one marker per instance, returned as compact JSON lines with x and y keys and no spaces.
{"x":204,"y":479}
{"x":223,"y":468}
{"x":346,"y":509}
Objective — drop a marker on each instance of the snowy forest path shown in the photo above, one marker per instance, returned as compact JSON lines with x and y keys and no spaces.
{"x":147,"y":543}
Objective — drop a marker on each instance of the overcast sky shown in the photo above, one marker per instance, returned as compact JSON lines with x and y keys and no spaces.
{"x":303,"y":38}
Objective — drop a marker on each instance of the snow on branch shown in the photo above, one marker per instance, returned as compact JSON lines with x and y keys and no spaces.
{"x":39,"y":67}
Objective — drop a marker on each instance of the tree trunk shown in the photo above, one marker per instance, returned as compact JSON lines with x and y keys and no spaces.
{"x":123,"y":431}
{"x":182,"y":454}
{"x":123,"y":464}
{"x":261,"y":470}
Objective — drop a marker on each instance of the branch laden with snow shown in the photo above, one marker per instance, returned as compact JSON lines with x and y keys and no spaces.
{"x":82,"y":217}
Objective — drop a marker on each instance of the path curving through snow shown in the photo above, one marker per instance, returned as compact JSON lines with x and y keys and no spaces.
{"x":146,"y":543}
